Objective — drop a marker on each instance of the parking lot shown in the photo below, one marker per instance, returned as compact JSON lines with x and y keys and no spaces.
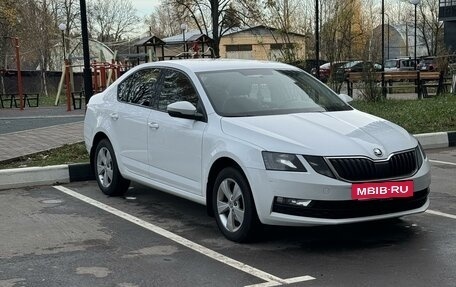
{"x":73,"y":235}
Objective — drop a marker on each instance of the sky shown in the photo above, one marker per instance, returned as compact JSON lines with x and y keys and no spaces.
{"x":145,"y":7}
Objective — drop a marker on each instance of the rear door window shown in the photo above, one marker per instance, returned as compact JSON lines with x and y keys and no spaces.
{"x":139,"y":88}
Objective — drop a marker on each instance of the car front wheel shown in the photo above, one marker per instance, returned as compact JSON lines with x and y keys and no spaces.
{"x":234,"y":206}
{"x":107,"y":172}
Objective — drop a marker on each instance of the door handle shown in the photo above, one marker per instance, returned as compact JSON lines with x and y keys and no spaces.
{"x":153,"y":125}
{"x":114,"y":116}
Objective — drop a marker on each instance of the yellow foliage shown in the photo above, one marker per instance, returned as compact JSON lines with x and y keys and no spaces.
{"x":8,"y":13}
{"x":346,"y":31}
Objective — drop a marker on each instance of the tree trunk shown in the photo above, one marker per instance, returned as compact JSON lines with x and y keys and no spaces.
{"x":215,"y":27}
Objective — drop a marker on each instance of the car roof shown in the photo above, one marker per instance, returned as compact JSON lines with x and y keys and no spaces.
{"x":200,"y":65}
{"x":327,"y":65}
{"x":403,"y":58}
{"x":351,"y":63}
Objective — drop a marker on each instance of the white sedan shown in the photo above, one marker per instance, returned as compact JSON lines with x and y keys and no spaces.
{"x":256,"y":142}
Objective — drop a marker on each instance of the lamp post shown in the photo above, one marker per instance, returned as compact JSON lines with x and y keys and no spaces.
{"x":183,"y":28}
{"x":383,"y":50}
{"x":415,"y":2}
{"x":62,"y":28}
{"x":88,"y":90}
{"x":317,"y":40}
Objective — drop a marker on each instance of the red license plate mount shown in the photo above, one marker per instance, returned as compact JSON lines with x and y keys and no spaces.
{"x":381,"y":190}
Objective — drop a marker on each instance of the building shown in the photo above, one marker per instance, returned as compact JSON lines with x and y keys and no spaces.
{"x":259,"y":42}
{"x":399,"y":42}
{"x":447,"y":14}
{"x":262,"y":43}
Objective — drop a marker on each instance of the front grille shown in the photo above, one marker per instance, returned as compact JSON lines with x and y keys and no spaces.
{"x":399,"y":165}
{"x":354,"y":208}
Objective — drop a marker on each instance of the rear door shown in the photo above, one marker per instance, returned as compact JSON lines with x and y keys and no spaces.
{"x":135,"y":95}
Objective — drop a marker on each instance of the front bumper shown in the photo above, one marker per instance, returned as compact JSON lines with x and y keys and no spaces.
{"x":331,"y":201}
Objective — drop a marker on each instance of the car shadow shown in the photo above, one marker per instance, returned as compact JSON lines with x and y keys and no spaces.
{"x":201,"y":227}
{"x":344,"y":237}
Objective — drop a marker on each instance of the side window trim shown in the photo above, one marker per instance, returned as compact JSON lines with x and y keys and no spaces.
{"x":154,"y":91}
{"x":163,"y":73}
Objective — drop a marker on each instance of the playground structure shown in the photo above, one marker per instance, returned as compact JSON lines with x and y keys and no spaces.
{"x":103,"y":74}
{"x":15,"y":43}
{"x":106,"y":66}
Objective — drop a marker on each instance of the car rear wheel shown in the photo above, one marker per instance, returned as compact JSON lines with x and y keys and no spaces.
{"x":107,"y":172}
{"x":233,"y":206}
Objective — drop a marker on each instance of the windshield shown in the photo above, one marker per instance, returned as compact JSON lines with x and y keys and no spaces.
{"x":351,"y":64}
{"x":390,"y":64}
{"x":255,"y":92}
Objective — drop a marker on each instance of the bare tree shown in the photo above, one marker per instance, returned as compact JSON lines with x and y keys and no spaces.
{"x":112,"y":19}
{"x":8,"y":16}
{"x":211,"y":17}
{"x":430,"y":26}
{"x":68,"y":13}
{"x":285,"y":16}
{"x":164,"y":21}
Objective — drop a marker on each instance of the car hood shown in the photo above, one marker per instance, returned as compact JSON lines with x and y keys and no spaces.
{"x":326,"y":133}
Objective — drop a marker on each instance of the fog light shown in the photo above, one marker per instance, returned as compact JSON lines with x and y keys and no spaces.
{"x":293,"y":201}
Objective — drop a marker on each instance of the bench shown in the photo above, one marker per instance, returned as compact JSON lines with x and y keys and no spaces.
{"x":355,"y":77}
{"x":423,"y":81}
{"x":77,"y":98}
{"x":403,"y":76}
{"x":431,"y":80}
{"x":31,"y":99}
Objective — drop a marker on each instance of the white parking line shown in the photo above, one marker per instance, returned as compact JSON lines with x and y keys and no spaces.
{"x":442,"y":162}
{"x":434,"y":212}
{"x":269,"y":278}
{"x":288,"y":281}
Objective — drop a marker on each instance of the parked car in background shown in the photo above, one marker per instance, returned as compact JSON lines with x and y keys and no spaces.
{"x":256,"y":142}
{"x":327,"y":70}
{"x":356,"y":66}
{"x":400,"y":64}
{"x":428,"y":64}
{"x":308,"y":64}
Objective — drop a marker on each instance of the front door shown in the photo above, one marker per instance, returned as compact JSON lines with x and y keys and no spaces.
{"x":175,"y":144}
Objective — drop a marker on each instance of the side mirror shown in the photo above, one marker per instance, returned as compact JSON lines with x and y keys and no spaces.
{"x":346,"y":98}
{"x":185,"y":110}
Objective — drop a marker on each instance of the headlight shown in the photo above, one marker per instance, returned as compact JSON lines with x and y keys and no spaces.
{"x":318,"y":163}
{"x":282,"y":161}
{"x":422,"y":150}
{"x":420,"y":155}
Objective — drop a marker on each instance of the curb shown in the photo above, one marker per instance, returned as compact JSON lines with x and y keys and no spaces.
{"x":48,"y":175}
{"x":437,"y":140}
{"x":57,"y":174}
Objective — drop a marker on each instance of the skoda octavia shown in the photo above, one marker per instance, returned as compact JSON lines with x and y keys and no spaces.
{"x":256,"y":142}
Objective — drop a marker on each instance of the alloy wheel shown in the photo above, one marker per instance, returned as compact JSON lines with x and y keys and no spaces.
{"x":104,"y":167}
{"x":230,"y":205}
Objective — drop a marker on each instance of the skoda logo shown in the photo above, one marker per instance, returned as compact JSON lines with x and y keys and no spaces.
{"x":378,"y":152}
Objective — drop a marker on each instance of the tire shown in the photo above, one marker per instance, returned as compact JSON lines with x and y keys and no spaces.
{"x":106,"y":171}
{"x":233,"y":206}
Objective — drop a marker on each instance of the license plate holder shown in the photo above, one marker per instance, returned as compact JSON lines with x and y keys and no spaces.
{"x":382,"y":190}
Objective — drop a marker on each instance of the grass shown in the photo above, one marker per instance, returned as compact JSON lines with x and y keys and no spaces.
{"x":417,"y":116}
{"x":49,"y":101}
{"x":434,"y":114}
{"x":74,"y":153}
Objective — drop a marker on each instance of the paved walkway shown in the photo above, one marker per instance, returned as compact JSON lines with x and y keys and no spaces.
{"x":38,"y":129}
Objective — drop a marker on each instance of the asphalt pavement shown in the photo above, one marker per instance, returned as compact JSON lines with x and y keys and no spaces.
{"x":73,"y":235}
